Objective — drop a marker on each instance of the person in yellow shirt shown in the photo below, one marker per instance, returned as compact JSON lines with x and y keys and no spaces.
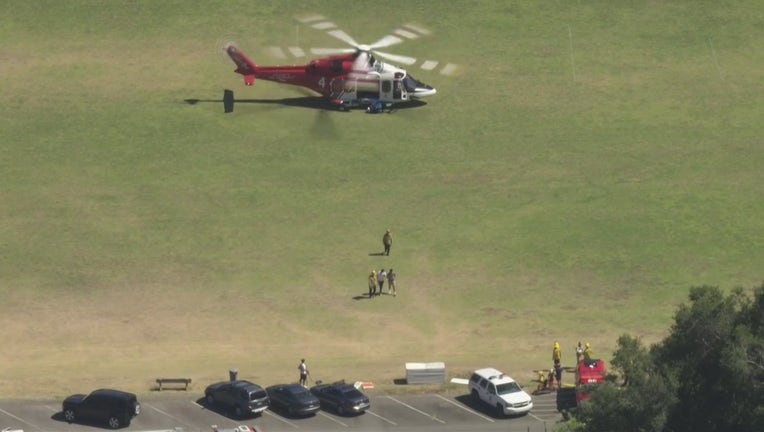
{"x":543,"y":380}
{"x":556,"y":353}
{"x":557,"y":359}
{"x":372,"y":283}
{"x":588,"y":353}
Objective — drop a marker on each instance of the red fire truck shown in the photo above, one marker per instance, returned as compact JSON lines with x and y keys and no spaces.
{"x":588,"y":373}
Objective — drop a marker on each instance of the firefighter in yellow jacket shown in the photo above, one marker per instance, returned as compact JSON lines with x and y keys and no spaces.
{"x":588,"y":353}
{"x":372,"y":283}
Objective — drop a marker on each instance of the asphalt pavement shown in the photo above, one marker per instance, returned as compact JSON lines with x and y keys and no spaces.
{"x":179,"y":411}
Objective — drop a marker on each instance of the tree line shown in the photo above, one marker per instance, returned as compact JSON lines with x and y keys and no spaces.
{"x":706,"y":375}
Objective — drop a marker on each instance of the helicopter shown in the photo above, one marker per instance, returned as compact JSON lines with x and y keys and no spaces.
{"x":349,"y":78}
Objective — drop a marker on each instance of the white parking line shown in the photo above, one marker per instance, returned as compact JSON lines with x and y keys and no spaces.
{"x":466,"y":409}
{"x":280,"y":418}
{"x":166,"y":413}
{"x":197,"y":404}
{"x":382,"y":418}
{"x":20,"y":419}
{"x":162,"y":430}
{"x":536,"y":417}
{"x":332,"y":418}
{"x":414,"y":409}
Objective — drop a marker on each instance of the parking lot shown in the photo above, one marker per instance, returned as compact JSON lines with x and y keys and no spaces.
{"x":183,"y":412}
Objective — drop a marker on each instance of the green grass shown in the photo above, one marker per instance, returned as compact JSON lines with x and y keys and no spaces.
{"x":592,"y":161}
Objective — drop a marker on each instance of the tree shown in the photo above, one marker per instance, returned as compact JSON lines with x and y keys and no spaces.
{"x":706,"y":375}
{"x":639,"y":404}
{"x":713,"y":359}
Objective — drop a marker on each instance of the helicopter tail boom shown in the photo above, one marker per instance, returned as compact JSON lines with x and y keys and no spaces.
{"x":244,"y":65}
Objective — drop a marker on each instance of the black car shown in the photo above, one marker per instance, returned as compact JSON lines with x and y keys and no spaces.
{"x":239,"y":397}
{"x":293,"y":399}
{"x":113,"y":407}
{"x":342,"y":398}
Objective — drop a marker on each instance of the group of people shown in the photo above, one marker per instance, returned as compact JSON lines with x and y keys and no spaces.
{"x":553,"y":378}
{"x":377,"y":282}
{"x":377,"y":279}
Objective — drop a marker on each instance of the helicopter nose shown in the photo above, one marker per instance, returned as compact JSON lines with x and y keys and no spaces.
{"x":424,"y":91}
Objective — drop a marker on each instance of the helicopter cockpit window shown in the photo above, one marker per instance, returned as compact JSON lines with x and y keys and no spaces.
{"x":412,"y":84}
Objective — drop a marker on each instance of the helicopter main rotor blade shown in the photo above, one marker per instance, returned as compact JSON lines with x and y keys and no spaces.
{"x":386,"y":41}
{"x":396,"y":58}
{"x":344,"y":37}
{"x":361,"y":63}
{"x":331,"y":51}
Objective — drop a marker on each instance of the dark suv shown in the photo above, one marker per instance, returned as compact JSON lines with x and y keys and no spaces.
{"x":113,"y":407}
{"x":239,"y":397}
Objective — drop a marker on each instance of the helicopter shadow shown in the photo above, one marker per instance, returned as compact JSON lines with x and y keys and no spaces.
{"x":307,"y":102}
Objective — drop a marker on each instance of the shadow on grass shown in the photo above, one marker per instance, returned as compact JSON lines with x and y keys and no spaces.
{"x":376,"y":254}
{"x":307,"y":102}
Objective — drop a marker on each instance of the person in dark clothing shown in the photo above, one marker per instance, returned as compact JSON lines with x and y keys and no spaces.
{"x":387,"y":241}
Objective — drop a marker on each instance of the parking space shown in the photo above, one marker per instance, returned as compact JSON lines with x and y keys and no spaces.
{"x":182,"y":414}
{"x":396,"y":409}
{"x":446,"y":409}
{"x":30,"y":416}
{"x":545,"y":407}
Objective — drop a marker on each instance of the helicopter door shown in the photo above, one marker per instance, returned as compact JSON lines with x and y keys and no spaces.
{"x":386,"y":90}
{"x":399,"y":92}
{"x":341,"y":89}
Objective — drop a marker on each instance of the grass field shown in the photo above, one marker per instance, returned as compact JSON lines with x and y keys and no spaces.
{"x":592,"y":161}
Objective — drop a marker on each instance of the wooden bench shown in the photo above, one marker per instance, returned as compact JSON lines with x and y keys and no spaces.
{"x":162,"y":381}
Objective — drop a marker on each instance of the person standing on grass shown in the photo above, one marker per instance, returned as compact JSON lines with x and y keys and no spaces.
{"x":381,"y":276}
{"x":304,"y":372}
{"x":579,"y":352}
{"x":372,"y":283}
{"x":556,"y":353}
{"x":391,"y":282}
{"x":387,"y":241}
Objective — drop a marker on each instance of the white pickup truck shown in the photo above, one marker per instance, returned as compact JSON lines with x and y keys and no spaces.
{"x":500,"y":392}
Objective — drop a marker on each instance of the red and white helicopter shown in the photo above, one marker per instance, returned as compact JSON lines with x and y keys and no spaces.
{"x":350,"y":77}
